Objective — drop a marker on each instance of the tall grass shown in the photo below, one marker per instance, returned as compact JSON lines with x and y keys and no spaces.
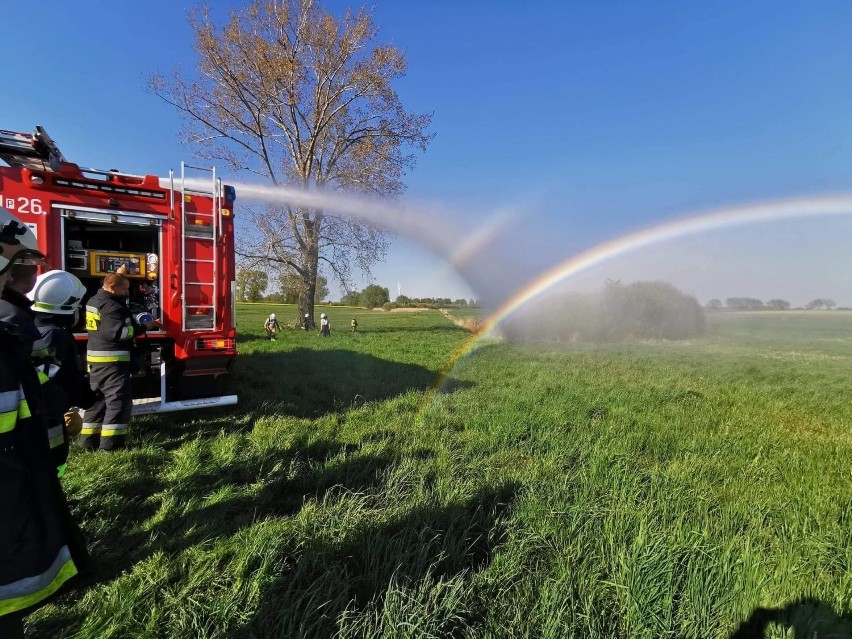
{"x":649,"y":490}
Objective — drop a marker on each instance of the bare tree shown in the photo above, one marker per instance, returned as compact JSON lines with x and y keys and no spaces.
{"x":289,"y":92}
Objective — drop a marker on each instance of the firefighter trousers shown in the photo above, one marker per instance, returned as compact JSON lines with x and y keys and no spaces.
{"x":105,"y":424}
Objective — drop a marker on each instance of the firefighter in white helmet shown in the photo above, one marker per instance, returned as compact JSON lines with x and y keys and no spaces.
{"x":15,"y":308}
{"x":272,"y":327}
{"x":325,"y":325}
{"x":56,"y":301}
{"x":43,"y":549}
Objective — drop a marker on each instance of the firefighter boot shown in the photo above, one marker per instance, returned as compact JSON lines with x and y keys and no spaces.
{"x":90,"y":434}
{"x":90,"y":438}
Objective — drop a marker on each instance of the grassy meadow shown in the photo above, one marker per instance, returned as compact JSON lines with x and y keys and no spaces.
{"x":681,"y":490}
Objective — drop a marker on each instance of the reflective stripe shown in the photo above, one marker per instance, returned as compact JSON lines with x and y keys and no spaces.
{"x":8,"y":421}
{"x":94,"y":310}
{"x":90,"y":429}
{"x":97,"y":357}
{"x":50,"y":307}
{"x":56,"y":435}
{"x":60,"y":470}
{"x":28,"y":591}
{"x":126,"y":332}
{"x":42,"y":378}
{"x":50,"y":370}
{"x":9,"y":400}
{"x":40,"y":353}
{"x":23,"y":409}
{"x":109,"y":430}
{"x":106,"y":359}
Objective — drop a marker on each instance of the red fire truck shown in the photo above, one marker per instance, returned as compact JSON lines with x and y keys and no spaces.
{"x":175,"y":236}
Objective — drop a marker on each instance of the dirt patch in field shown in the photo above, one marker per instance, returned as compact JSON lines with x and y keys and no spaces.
{"x":407,"y":310}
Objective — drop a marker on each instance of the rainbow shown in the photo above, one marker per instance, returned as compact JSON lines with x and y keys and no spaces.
{"x":827,"y":205}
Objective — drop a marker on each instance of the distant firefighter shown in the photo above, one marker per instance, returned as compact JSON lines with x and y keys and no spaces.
{"x":325,"y":325}
{"x":354,"y":325}
{"x":272,"y":327}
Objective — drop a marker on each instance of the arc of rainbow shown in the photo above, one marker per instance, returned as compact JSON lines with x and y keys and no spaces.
{"x":699,"y":223}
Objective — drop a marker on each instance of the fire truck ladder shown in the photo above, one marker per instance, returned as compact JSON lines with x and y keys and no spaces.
{"x":199,"y":235}
{"x":35,"y":152}
{"x":194,"y":310}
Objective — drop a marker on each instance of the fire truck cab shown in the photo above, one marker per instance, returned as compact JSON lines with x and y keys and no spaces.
{"x":175,"y":237}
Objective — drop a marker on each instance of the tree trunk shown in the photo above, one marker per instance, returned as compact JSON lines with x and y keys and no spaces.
{"x":306,"y":303}
{"x":306,"y":295}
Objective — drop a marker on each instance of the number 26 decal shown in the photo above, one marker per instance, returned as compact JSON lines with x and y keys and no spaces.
{"x":24,"y":205}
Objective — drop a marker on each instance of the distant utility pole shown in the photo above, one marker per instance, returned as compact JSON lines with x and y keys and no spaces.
{"x":398,"y":288}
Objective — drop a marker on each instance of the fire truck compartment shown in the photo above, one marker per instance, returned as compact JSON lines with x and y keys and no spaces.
{"x":94,"y":249}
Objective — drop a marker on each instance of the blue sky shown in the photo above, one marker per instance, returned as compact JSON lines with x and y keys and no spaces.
{"x":592,"y":119}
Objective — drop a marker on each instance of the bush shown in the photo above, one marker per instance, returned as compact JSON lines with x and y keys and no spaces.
{"x":650,"y":310}
{"x":642,"y":310}
{"x":389,"y":306}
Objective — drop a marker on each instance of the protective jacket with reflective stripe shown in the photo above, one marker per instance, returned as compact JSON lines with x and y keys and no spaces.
{"x":65,"y":385}
{"x":15,"y":309}
{"x":40,"y":547}
{"x":111,"y":329}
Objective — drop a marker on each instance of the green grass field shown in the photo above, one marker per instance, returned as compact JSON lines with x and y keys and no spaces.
{"x":649,"y":490}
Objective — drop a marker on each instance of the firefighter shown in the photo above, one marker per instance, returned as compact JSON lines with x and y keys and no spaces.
{"x":325,"y":325}
{"x":15,"y":307}
{"x":41,"y":549}
{"x":16,"y":310}
{"x":111,"y":330}
{"x":56,"y":301}
{"x":272,"y":327}
{"x":354,"y":325}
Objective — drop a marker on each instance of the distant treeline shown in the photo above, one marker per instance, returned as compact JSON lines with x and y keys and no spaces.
{"x":375,"y":296}
{"x":642,"y":310}
{"x":754,"y":304}
{"x":252,"y":284}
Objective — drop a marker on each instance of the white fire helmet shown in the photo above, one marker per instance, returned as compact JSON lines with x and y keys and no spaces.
{"x":57,"y":292}
{"x":322,"y":315}
{"x":17,"y":242}
{"x":306,"y":316}
{"x":272,"y":316}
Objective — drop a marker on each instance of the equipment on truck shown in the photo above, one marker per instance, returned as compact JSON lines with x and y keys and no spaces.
{"x":173,"y":238}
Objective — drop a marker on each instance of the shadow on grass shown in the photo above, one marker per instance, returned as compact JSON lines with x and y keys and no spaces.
{"x":243,"y":338}
{"x":109,"y":512}
{"x":429,"y":542}
{"x":807,"y":618}
{"x":115,"y":514}
{"x":303,"y":383}
{"x":303,"y":474}
{"x":306,"y":472}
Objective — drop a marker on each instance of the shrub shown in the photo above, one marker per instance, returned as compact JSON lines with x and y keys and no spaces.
{"x":642,"y":310}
